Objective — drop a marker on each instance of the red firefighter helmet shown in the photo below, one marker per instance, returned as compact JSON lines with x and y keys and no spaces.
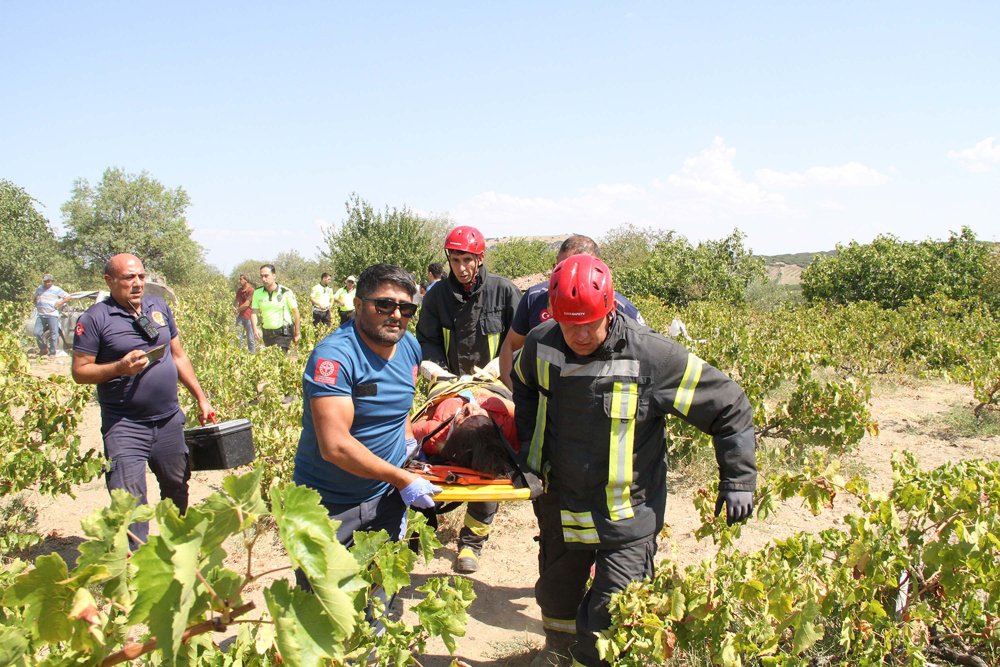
{"x":465,"y":239}
{"x":580,"y":290}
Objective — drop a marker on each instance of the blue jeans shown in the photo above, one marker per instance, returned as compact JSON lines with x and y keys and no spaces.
{"x":246,"y":332}
{"x":47,"y":324}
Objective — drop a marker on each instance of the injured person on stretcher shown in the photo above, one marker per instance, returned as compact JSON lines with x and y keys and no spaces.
{"x":468,"y":421}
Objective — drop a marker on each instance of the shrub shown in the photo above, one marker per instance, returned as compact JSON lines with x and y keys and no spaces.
{"x":520,"y":257}
{"x":890,"y":272}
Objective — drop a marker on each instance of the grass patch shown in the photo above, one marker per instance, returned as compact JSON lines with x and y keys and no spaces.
{"x":960,"y":422}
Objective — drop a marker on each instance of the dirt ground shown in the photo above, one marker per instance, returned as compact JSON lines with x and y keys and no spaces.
{"x":504,"y":626}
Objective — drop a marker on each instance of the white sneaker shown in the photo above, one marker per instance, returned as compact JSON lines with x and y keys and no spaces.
{"x":61,"y":353}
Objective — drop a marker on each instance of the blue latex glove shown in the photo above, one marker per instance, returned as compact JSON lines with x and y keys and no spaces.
{"x":419,"y":493}
{"x":739,"y":505}
{"x":412,"y":446}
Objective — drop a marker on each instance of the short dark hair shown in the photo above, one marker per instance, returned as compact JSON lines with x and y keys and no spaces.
{"x":325,"y":275}
{"x":270,"y":267}
{"x":578,"y":244}
{"x":376,"y":274}
{"x":436,"y":270}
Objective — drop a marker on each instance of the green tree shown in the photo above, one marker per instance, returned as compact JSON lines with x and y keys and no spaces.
{"x":294,"y":271}
{"x":890,"y":272}
{"x":396,"y":236}
{"x":629,"y":246}
{"x":518,"y":257}
{"x":136,"y":214}
{"x":679,"y":273}
{"x":28,"y":247}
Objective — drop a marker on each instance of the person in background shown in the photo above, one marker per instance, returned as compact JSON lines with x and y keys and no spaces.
{"x":344,"y":298}
{"x":462,"y":325}
{"x":241,"y":306}
{"x":275,"y":311}
{"x":49,"y":298}
{"x":592,"y":390}
{"x":322,"y":298}
{"x":534,"y":307}
{"x":435,"y":272}
{"x":129,"y":346}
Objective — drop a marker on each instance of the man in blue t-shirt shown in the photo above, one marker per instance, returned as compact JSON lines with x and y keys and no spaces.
{"x":533,"y":308}
{"x":357,"y":389}
{"x":128,"y":345}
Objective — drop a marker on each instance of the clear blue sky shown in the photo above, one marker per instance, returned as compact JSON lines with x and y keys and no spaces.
{"x":803,"y":124}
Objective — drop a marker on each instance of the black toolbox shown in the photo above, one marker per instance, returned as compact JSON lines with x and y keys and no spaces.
{"x":220,"y":446}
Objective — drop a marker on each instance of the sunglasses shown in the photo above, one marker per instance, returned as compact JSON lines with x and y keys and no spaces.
{"x":388,"y":307}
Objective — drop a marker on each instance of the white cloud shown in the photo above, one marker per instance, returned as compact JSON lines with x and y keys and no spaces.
{"x":979,"y":159}
{"x":712,"y":174}
{"x":850,"y":175}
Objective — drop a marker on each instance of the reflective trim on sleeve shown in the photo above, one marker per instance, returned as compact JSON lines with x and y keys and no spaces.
{"x":603,"y":368}
{"x":578,"y":527}
{"x":685,"y":393}
{"x":624,"y":399}
{"x":446,"y":336}
{"x":541,"y":415}
{"x":494,"y":341}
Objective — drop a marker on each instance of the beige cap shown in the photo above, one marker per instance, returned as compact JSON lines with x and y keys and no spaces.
{"x":351,"y":279}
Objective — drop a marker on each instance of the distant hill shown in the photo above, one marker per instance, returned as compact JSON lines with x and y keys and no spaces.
{"x":802,"y":259}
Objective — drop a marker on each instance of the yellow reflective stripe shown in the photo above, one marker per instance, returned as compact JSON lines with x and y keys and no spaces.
{"x":685,"y":393}
{"x":466,"y":552}
{"x":559,"y":624}
{"x":541,"y":414}
{"x":577,"y":663}
{"x":542,"y":368}
{"x":585,"y":519}
{"x":446,"y":335}
{"x":476,"y":526}
{"x":581,"y":535}
{"x":624,"y":400}
{"x":494,"y":341}
{"x":517,"y":367}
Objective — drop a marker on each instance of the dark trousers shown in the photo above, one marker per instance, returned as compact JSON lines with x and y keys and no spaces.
{"x":321,"y":317}
{"x":561,"y":590}
{"x":387,"y":512}
{"x":476,"y":528}
{"x":130,"y":446}
{"x":346,"y":315}
{"x":277,"y":337}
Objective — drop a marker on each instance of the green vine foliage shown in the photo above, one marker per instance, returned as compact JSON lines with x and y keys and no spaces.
{"x":913,"y":579}
{"x":39,"y":444}
{"x":159,"y":605}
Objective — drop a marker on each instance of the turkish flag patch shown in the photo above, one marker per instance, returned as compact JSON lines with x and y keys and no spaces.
{"x":326,"y":371}
{"x":79,"y":328}
{"x":544,"y":315}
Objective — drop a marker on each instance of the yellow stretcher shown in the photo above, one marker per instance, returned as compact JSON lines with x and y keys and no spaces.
{"x":485,"y":492}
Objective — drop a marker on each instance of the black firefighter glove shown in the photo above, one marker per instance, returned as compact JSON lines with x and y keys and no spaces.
{"x":739,"y":505}
{"x":531,"y":481}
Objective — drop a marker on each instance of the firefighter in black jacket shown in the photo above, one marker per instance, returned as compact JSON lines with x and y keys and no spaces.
{"x":591,"y":391}
{"x":463,"y":322}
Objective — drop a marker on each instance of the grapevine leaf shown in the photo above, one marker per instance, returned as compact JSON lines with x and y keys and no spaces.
{"x":393,"y":566}
{"x":166,"y":572}
{"x":13,"y":646}
{"x":443,"y":612}
{"x":311,"y":540}
{"x":109,"y":544}
{"x":245,"y":490}
{"x":366,"y":545}
{"x":304,"y":633}
{"x":807,"y":632}
{"x":46,"y":599}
